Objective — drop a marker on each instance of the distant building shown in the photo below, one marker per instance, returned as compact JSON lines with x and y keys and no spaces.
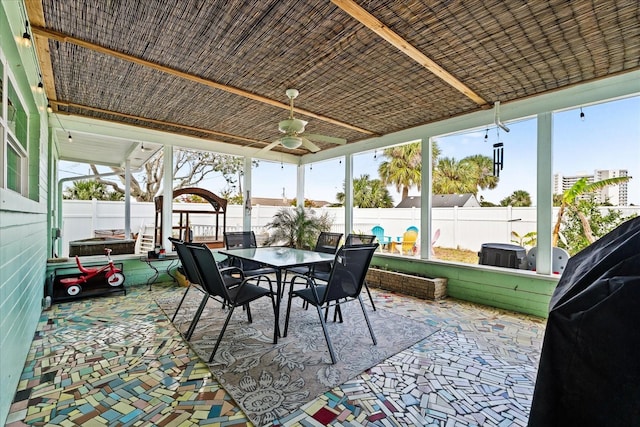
{"x":614,"y":194}
{"x":466,"y":200}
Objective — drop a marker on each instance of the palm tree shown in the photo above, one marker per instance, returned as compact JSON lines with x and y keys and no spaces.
{"x":519,"y":198}
{"x":297,"y":227}
{"x":453,"y":177}
{"x":91,"y":189}
{"x":404,"y":167}
{"x":368,"y":193}
{"x":482,"y":171}
{"x":570,"y":199}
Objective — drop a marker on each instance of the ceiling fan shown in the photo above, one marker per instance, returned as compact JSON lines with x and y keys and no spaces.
{"x":293,"y":130}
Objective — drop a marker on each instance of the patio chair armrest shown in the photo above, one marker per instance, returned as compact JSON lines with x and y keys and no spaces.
{"x":252,"y":278}
{"x":231,"y":270}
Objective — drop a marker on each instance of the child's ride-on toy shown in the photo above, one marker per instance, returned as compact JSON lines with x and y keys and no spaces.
{"x":113,"y":275}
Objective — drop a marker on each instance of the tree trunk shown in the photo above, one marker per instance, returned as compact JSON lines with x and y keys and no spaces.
{"x":405,"y":192}
{"x":556,"y":228}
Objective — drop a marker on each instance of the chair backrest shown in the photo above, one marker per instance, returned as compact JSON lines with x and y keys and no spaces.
{"x":328,"y":242}
{"x":240,"y":239}
{"x":409,"y":239}
{"x":348,"y":272}
{"x":208,"y":272}
{"x":359,"y":239}
{"x":412,"y":228}
{"x":187,"y":261}
{"x":378,"y":231}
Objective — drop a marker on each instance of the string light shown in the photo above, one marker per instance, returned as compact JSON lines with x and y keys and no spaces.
{"x":486,"y":135}
{"x":26,"y":37}
{"x":581,"y":114}
{"x":40,"y":88}
{"x":63,"y":129}
{"x":49,"y":108}
{"x":375,"y":154}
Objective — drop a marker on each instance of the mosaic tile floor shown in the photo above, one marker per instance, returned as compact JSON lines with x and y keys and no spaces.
{"x":118,"y":361}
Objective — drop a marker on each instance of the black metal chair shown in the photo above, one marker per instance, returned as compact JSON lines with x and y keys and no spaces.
{"x":191,"y":273}
{"x":188,"y":268}
{"x":327,"y":243}
{"x":359,"y":239}
{"x":245,"y":239}
{"x":362,"y":240}
{"x":216,"y":287}
{"x":344,"y":285}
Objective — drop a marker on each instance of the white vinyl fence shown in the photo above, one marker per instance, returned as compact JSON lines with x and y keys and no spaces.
{"x":464,"y":228}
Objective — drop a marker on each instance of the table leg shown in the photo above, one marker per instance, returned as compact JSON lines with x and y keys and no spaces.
{"x":276,"y":330}
{"x":153,"y":278}
{"x":173,"y":263}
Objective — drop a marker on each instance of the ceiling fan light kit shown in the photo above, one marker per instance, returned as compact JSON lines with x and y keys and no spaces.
{"x":291,"y":142}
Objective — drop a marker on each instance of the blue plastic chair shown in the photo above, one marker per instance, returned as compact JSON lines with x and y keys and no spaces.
{"x":378,"y":231}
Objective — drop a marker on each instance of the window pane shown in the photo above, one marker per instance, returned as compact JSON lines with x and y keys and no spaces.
{"x":17,"y":117}
{"x":482,"y":204}
{"x":591,"y":144}
{"x":13,"y":169}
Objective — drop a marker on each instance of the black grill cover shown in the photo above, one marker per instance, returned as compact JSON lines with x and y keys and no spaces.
{"x":589,"y":373}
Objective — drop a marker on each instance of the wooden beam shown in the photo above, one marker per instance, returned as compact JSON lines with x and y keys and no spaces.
{"x":375,"y":25}
{"x":64,"y":38}
{"x":35,"y":15}
{"x":158,"y":122}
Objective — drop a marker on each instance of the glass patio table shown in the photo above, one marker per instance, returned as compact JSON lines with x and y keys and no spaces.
{"x":279,"y":258}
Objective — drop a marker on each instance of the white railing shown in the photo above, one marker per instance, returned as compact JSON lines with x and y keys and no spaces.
{"x":464,"y":228}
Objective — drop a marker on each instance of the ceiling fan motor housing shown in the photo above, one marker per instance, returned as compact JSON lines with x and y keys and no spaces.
{"x":291,"y":126}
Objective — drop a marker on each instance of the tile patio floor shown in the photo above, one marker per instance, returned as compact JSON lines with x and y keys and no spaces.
{"x":117,"y":361}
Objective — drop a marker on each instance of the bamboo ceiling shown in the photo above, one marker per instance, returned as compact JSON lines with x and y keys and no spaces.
{"x":219,"y":69}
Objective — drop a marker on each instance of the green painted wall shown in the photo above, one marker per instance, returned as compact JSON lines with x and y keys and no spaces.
{"x":23,"y":227}
{"x":516,"y":290}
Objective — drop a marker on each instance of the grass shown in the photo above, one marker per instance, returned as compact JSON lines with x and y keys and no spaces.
{"x":456,"y":255}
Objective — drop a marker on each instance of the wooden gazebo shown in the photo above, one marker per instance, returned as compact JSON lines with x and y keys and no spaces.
{"x":185,"y":225}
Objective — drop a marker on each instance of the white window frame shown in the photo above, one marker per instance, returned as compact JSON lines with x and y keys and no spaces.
{"x":9,"y":139}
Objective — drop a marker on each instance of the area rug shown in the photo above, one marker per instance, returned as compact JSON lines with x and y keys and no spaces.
{"x":270,"y":381}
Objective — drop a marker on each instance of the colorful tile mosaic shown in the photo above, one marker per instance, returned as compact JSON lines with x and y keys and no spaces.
{"x":118,"y":361}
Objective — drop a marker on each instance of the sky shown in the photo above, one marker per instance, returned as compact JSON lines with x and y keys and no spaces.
{"x":607,"y":138}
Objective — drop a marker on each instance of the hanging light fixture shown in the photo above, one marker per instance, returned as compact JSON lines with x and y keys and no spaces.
{"x":40,"y":88}
{"x":49,"y":108}
{"x":26,"y":37}
{"x":291,"y":142}
{"x":581,"y":114}
{"x":70,"y":139}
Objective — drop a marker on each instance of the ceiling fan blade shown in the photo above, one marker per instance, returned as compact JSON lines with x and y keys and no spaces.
{"x":310,"y":145}
{"x":269,"y":147}
{"x":325,"y":138}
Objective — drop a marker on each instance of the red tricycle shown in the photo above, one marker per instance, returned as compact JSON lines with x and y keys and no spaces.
{"x":113,"y":275}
